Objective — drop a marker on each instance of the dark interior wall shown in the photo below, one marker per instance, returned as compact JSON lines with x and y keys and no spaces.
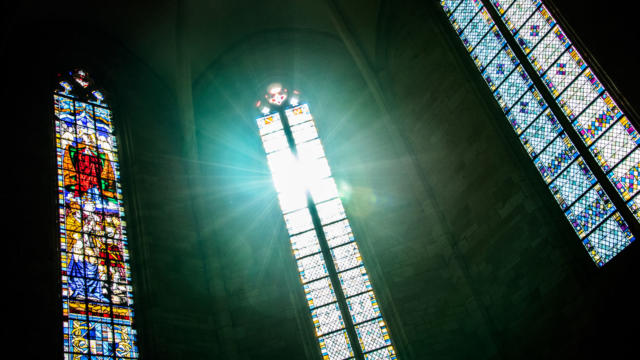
{"x":534,"y":289}
{"x":173,"y":316}
{"x":468,"y":251}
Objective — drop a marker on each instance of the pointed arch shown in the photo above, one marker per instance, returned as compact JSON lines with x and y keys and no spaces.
{"x":97,"y":301}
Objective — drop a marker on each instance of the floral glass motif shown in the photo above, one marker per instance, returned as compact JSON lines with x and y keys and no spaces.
{"x":302,"y":168}
{"x":97,"y":300}
{"x":586,"y":206}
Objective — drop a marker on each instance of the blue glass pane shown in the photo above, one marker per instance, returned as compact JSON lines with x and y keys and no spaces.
{"x":590,"y":210}
{"x":449,"y":5}
{"x":608,"y":239}
{"x":572,"y":183}
{"x":464,"y":13}
{"x":500,"y":68}
{"x":513,"y":88}
{"x":477,"y":28}
{"x":488,"y":48}
{"x":540,"y":133}
{"x":527,"y":110}
{"x":555,"y":157}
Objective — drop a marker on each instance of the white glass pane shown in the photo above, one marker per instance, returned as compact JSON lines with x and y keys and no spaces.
{"x":363,"y":307}
{"x":336,"y":346}
{"x":298,"y":114}
{"x":518,"y":13}
{"x":312,"y":268}
{"x":305,"y":244}
{"x":548,"y":50}
{"x":346,"y":256}
{"x":579,"y":94}
{"x":330,"y":211}
{"x":275,"y":141}
{"x":327,"y":319}
{"x":269,"y":123}
{"x":291,"y":200}
{"x":373,"y":335}
{"x":338,"y":233}
{"x":310,"y":150}
{"x":563,"y":71}
{"x":534,"y":29}
{"x":298,"y":221}
{"x":314,"y":170}
{"x":354,"y":281}
{"x":387,"y":353}
{"x":615,"y":144}
{"x":282,"y":162}
{"x":304,"y":132}
{"x":319,"y":292}
{"x":324,"y":189}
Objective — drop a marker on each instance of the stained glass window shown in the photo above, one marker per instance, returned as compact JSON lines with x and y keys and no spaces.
{"x":612,"y":140}
{"x":97,"y":302}
{"x":343,"y":306}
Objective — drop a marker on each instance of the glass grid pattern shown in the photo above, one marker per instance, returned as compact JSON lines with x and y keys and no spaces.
{"x":387,"y":353}
{"x":310,"y":167}
{"x":548,"y":50}
{"x":575,"y":88}
{"x":518,"y":13}
{"x":541,"y":133}
{"x":97,"y":301}
{"x":592,"y":112}
{"x":538,"y":25}
{"x":477,"y":28}
{"x":500,"y":67}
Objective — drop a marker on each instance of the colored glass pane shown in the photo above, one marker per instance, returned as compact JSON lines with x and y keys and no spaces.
{"x":309,"y":196}
{"x":548,"y":50}
{"x":477,"y":29}
{"x":540,"y":133}
{"x":518,"y":13}
{"x":464,"y":13}
{"x":563,"y":71}
{"x":538,"y":25}
{"x":487,"y":49}
{"x":96,"y":279}
{"x":572,"y":183}
{"x":529,"y":107}
{"x":499,"y":68}
{"x":597,"y":118}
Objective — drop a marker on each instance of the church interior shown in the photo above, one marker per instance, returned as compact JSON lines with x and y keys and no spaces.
{"x":468,"y":252}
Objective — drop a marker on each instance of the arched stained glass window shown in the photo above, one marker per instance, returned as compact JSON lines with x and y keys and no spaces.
{"x":96,"y":280}
{"x":344,"y":309}
{"x":568,"y":123}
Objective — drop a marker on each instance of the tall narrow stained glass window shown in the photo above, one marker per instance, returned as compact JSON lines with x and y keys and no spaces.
{"x":344,"y":309}
{"x":592,"y":115}
{"x":96,"y":282}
